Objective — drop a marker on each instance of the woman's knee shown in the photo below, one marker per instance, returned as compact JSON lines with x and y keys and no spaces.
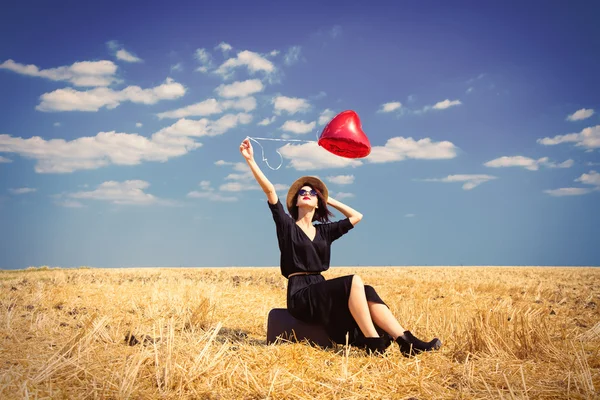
{"x":357,"y":281}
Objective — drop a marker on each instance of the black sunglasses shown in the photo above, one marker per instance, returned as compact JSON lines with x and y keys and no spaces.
{"x":304,"y":192}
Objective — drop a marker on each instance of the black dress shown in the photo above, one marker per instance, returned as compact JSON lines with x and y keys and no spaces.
{"x":312,"y":298}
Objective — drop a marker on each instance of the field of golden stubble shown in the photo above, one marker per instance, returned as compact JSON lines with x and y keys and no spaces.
{"x":507,"y":332}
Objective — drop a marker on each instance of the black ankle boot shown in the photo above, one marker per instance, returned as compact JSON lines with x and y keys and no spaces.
{"x":410,"y":345}
{"x":376,"y":345}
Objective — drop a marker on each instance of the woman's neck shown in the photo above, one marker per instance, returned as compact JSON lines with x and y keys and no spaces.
{"x":305,"y":218}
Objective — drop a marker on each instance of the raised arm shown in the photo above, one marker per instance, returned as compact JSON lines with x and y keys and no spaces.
{"x":348,"y":211}
{"x":265,"y":184}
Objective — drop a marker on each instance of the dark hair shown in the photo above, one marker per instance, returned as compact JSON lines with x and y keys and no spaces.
{"x":321,"y":214}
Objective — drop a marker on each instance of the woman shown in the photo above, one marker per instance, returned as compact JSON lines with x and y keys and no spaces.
{"x":344,"y":305}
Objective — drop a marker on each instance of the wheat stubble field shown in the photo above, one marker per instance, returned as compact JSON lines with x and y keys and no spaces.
{"x":507,"y":332}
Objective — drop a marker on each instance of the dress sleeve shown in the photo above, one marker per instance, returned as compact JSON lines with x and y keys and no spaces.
{"x":279,"y":216}
{"x":335,"y":230}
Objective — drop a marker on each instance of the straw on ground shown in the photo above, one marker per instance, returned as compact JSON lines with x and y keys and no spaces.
{"x":508,"y":332}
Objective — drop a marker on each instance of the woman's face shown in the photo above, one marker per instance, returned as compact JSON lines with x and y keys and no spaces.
{"x":307,"y":196}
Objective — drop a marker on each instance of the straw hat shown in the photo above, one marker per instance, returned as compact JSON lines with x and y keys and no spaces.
{"x":311,"y":181}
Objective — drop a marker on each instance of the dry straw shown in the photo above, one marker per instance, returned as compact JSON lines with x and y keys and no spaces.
{"x":508,"y":332}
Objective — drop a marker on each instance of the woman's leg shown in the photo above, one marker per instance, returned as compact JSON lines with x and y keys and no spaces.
{"x":359,"y":308}
{"x":409,"y":344}
{"x":383,"y":317}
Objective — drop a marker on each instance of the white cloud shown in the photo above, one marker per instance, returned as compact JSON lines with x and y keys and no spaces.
{"x":291,"y":105}
{"x":177,"y":67}
{"x":5,"y":160}
{"x":246,"y":104}
{"x":121,"y":53}
{"x":212,"y":196}
{"x":343,"y":195}
{"x":588,"y":138}
{"x":565,"y":164}
{"x":267,"y":121}
{"x":240,"y":89}
{"x":113,"y":45}
{"x":341,"y":179}
{"x":292,"y":56}
{"x":205,"y":185}
{"x":106,"y":148}
{"x":92,"y":100}
{"x":251,"y":184}
{"x":138,"y":124}
{"x":237,"y":166}
{"x":84,"y":73}
{"x":23,"y":190}
{"x":400,"y":148}
{"x":237,"y":177}
{"x":389,"y":107}
{"x":325,"y":117}
{"x":208,"y":192}
{"x":205,"y":60}
{"x":477,"y":78}
{"x":591,"y":178}
{"x":229,"y":121}
{"x":127,"y":192}
{"x":568,"y":192}
{"x":591,"y":164}
{"x":56,"y":124}
{"x":581,"y":114}
{"x":299,"y":127}
{"x":204,"y":108}
{"x":238,"y":186}
{"x":254,"y":62}
{"x":203,"y":56}
{"x":243,"y":180}
{"x":60,"y":156}
{"x":210,"y":107}
{"x":224,"y":47}
{"x":274,"y":53}
{"x":124,"y":55}
{"x":442,"y":105}
{"x":204,"y":127}
{"x":310,"y":156}
{"x":526,"y":162}
{"x":409,"y":215}
{"x":470,"y":181}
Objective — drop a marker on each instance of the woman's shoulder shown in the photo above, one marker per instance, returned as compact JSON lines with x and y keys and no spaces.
{"x":276,"y":205}
{"x":278,"y":211}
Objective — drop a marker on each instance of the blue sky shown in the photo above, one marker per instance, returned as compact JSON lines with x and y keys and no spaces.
{"x":121,"y":123}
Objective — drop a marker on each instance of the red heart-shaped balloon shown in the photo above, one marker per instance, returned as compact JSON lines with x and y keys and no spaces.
{"x":344,"y":137}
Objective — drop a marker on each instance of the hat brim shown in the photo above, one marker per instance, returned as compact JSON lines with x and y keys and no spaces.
{"x":311,"y":181}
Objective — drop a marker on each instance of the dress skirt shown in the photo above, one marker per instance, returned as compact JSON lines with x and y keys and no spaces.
{"x":313,"y":299}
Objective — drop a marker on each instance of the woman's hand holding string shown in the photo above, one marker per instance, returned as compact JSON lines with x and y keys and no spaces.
{"x":265,"y":184}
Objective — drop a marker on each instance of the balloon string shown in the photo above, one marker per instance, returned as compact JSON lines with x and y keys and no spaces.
{"x":263,"y":153}
{"x":277,"y":151}
{"x":281,"y":140}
